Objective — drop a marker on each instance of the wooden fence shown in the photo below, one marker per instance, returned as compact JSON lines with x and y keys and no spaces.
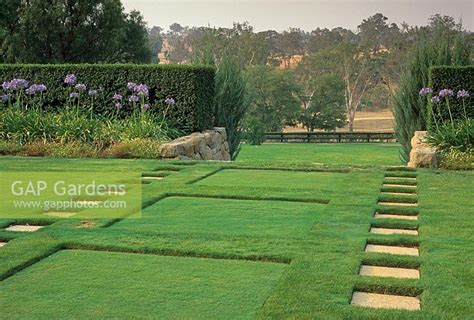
{"x":330,"y":137}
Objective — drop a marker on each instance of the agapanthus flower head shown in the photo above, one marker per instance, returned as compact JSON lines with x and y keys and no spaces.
{"x":463,"y":94}
{"x":425,"y":91}
{"x":80,"y":87}
{"x":5,"y":97}
{"x":92,"y":93}
{"x":141,"y":89}
{"x":435,"y":100}
{"x":15,"y":84}
{"x":146,"y":106}
{"x":133,"y":98}
{"x":34,"y":88}
{"x":70,"y":79}
{"x":170,"y":101}
{"x":446,"y":93}
{"x":131,"y":86}
{"x":74,"y":95}
{"x":117,"y":97}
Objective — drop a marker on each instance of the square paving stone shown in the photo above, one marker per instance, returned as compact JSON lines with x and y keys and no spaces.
{"x":385,"y":301}
{"x":23,"y":228}
{"x":393,"y":231}
{"x":404,"y":251}
{"x":2,"y":243}
{"x":398,"y":204}
{"x":395,"y":216}
{"x":389,"y":272}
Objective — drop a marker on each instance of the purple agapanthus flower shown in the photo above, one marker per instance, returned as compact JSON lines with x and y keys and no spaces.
{"x":425,"y":91}
{"x":133,"y":98}
{"x":463,"y":94}
{"x":146,"y":106}
{"x":435,"y":100}
{"x":15,"y":84}
{"x":5,"y":97}
{"x":70,"y":79}
{"x":131,"y":86}
{"x":117,"y":97}
{"x":74,"y":95}
{"x":141,"y":89}
{"x":80,"y":87}
{"x":92,"y":93}
{"x":34,"y":88}
{"x":446,"y":93}
{"x":170,"y":101}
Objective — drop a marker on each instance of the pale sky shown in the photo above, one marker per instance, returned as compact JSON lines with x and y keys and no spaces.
{"x":305,"y":14}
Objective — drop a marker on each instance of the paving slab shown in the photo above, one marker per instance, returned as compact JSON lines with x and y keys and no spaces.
{"x":407,"y":186}
{"x":2,"y":243}
{"x":400,"y":178}
{"x":395,"y":204}
{"x":23,"y":228}
{"x":395,"y":216}
{"x":397,"y":193}
{"x":385,"y":301}
{"x":153,"y":178}
{"x":396,"y":250}
{"x":60,"y":214}
{"x":393,"y":231}
{"x":389,"y":272}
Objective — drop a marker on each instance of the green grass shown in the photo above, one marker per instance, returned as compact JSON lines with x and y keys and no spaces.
{"x":124,"y":285}
{"x":364,"y":154}
{"x":256,"y":258}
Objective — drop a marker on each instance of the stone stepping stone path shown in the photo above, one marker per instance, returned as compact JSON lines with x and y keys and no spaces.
{"x":385,"y":301}
{"x":153,"y":178}
{"x":395,"y":216}
{"x":393,"y":231}
{"x":389,"y":301}
{"x":397,"y":250}
{"x":389,"y":272}
{"x":23,"y":228}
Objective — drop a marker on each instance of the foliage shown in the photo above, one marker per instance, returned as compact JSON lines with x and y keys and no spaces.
{"x":254,"y":131}
{"x":410,"y":109}
{"x":232,"y":100}
{"x":71,"y":31}
{"x":455,"y":79}
{"x":457,"y":136}
{"x":140,"y":148}
{"x":457,"y":160}
{"x":325,"y":109}
{"x":275,"y":100}
{"x":191,"y":87}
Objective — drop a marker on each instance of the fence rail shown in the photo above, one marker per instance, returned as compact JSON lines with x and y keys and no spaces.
{"x":330,"y":137}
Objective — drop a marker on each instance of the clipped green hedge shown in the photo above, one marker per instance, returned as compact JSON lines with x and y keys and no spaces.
{"x":454,"y":78}
{"x":191,"y":86}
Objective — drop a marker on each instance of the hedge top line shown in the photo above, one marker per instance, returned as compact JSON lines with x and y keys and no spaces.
{"x":115,"y":65}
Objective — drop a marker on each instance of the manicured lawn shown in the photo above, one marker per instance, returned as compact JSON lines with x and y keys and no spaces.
{"x":367,"y":154}
{"x":124,"y":285}
{"x":272,"y":235}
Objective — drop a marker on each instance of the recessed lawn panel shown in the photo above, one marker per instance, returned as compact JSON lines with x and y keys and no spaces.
{"x":226,"y":217}
{"x":274,"y":178}
{"x":91,"y":284}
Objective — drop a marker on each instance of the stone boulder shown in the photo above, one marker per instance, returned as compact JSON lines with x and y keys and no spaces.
{"x":206,"y":145}
{"x":422,"y":154}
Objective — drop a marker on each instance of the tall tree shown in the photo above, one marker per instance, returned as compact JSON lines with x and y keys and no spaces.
{"x":55,"y":31}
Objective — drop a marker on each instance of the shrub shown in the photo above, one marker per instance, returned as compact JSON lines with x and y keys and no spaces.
{"x":457,"y":136}
{"x":455,"y":79}
{"x":456,"y":160}
{"x":135,"y":148}
{"x":9,"y":148}
{"x":232,"y":101}
{"x":255,"y":131}
{"x":192,"y":87}
{"x":71,"y":149}
{"x":410,"y":109}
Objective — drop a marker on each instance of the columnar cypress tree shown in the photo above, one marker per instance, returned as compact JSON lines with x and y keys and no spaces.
{"x":410,"y":109}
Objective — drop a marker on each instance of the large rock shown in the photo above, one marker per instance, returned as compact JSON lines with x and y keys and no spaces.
{"x":207,"y":145}
{"x":422,"y":154}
